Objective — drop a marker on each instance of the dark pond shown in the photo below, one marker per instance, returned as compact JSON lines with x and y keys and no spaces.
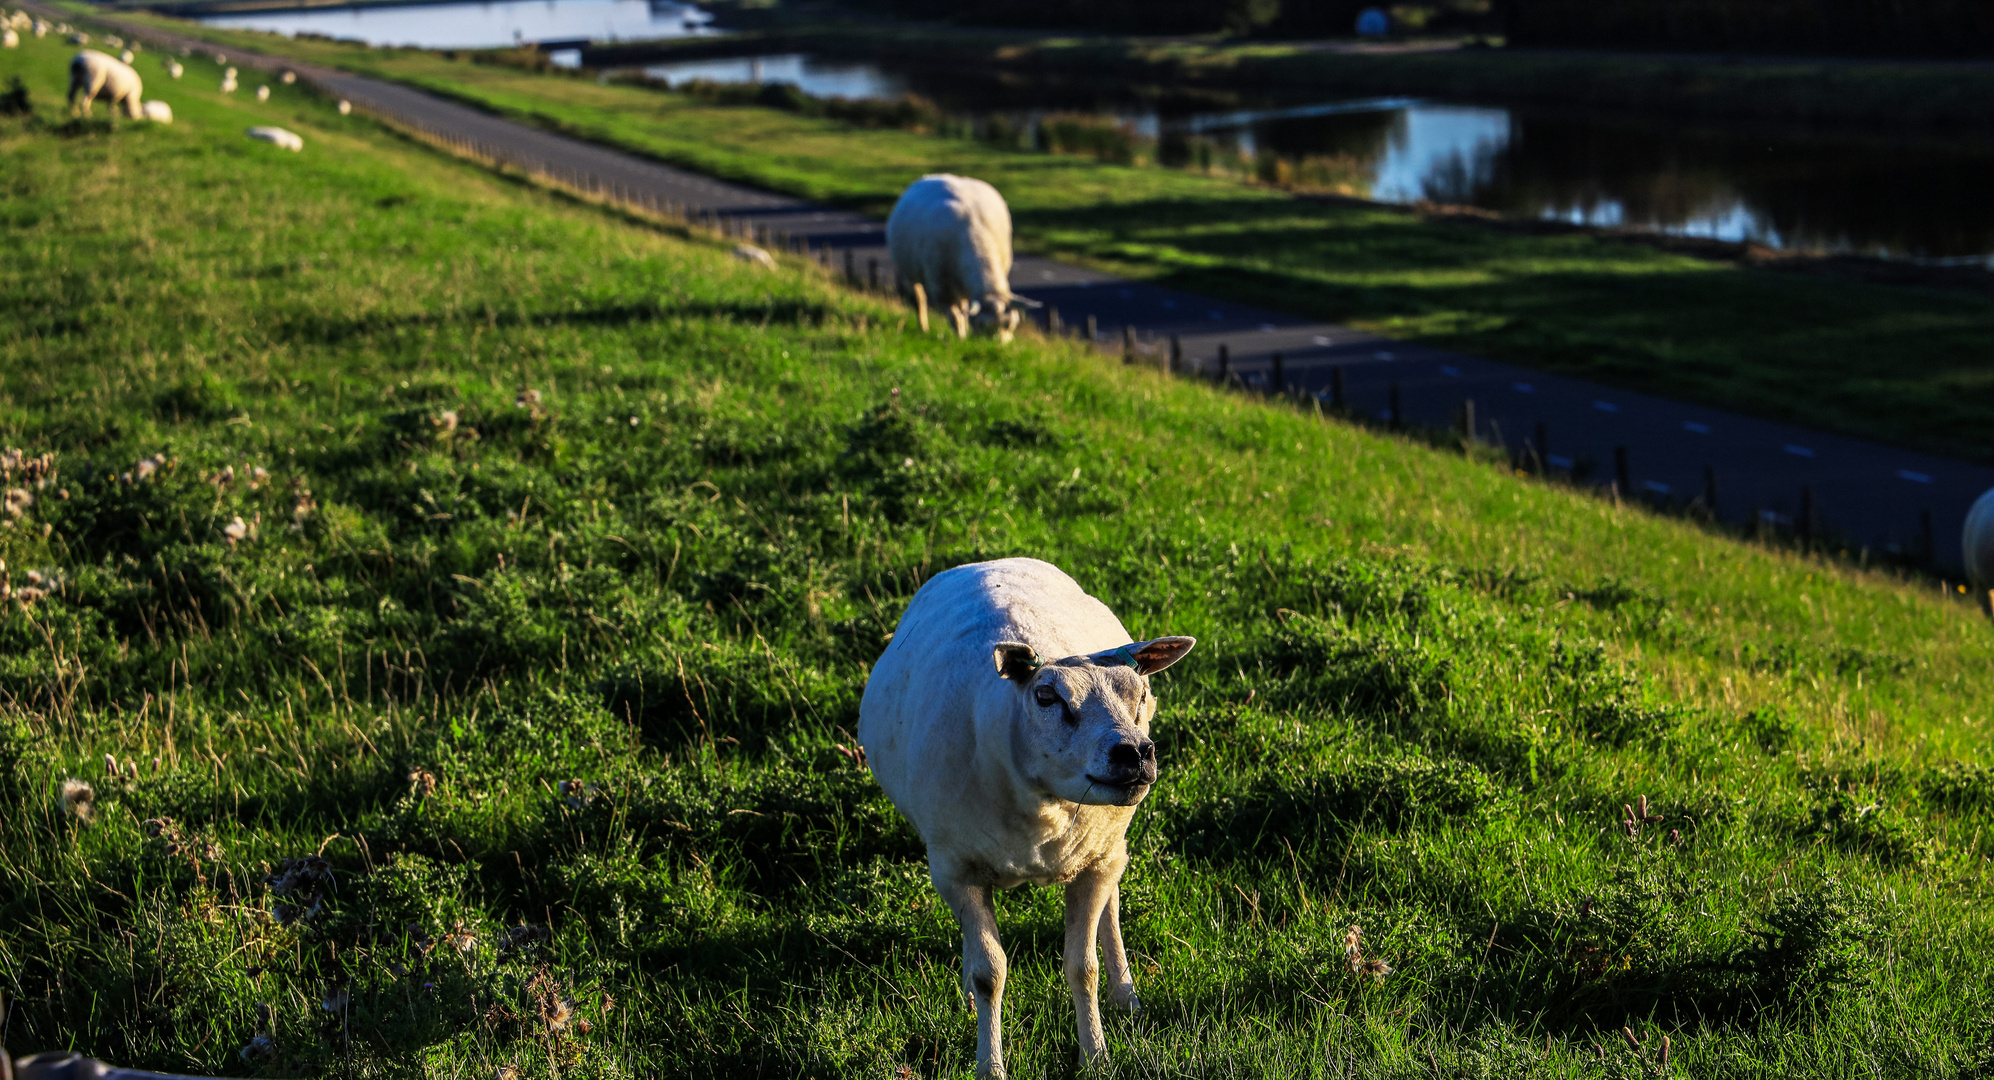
{"x":1861,"y":191}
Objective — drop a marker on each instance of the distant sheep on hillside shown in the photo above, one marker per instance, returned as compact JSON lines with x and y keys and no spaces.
{"x":92,"y":73}
{"x":159,"y":112}
{"x":951,"y":236}
{"x":9,"y":39}
{"x":277,"y":136}
{"x":263,"y":93}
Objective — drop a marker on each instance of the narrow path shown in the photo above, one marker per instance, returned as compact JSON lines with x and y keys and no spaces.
{"x":1659,"y":450}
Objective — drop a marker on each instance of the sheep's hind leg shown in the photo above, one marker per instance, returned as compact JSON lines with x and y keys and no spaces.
{"x":1115,"y":956}
{"x":983,"y":970}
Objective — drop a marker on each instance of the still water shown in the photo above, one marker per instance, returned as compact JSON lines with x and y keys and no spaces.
{"x":1859,"y":191}
{"x":1834,"y":190}
{"x":484,"y":25}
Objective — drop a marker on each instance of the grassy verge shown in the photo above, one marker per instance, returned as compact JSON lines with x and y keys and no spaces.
{"x":455,"y":597}
{"x":1794,"y":347}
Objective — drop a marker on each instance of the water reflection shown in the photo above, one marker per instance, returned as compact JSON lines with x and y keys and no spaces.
{"x":1818,"y":190}
{"x":483,"y":25}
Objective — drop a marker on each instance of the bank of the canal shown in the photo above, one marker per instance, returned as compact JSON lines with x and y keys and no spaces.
{"x":1825,"y":90}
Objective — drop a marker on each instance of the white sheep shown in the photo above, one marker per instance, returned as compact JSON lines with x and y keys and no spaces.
{"x":749,"y":253}
{"x":79,"y":39}
{"x":174,"y":70}
{"x":92,"y":73}
{"x":159,"y":112}
{"x":263,"y":93}
{"x":951,"y":235}
{"x":345,"y":106}
{"x":9,"y":39}
{"x":41,"y":27}
{"x":127,"y":56}
{"x":1977,"y":540}
{"x":228,"y":84}
{"x":1031,"y":772}
{"x":114,"y":41}
{"x":289,"y":77}
{"x":277,"y":136}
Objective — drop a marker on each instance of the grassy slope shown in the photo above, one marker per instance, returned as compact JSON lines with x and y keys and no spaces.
{"x":1424,"y":691}
{"x":1786,"y":346}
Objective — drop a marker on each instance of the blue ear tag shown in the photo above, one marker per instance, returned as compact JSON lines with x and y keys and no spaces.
{"x":1126,"y":655}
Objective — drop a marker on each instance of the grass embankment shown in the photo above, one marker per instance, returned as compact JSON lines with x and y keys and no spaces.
{"x":523,"y":563}
{"x":1893,"y":93}
{"x":1894,"y":364}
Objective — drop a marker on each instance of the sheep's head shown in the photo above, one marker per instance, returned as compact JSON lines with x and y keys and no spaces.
{"x":1002,"y":313}
{"x":133,"y":108}
{"x":1081,"y":732}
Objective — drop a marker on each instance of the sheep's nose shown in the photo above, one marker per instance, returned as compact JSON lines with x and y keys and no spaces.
{"x":1132,"y":755}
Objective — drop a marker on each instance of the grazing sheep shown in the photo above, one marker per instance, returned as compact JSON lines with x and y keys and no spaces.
{"x":952,"y":236}
{"x":9,"y":39}
{"x":345,"y":106}
{"x":221,"y":59}
{"x":749,"y":253}
{"x":92,"y":73}
{"x":114,"y":41}
{"x":228,"y":84}
{"x":277,"y":136}
{"x":1028,"y":773}
{"x":79,"y":39}
{"x":159,"y":112}
{"x":41,"y":27}
{"x":127,"y":56}
{"x":263,"y":93}
{"x":1977,"y":540}
{"x":289,"y":77}
{"x":174,"y":69}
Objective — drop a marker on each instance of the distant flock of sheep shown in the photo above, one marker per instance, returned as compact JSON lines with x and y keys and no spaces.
{"x":93,"y":73}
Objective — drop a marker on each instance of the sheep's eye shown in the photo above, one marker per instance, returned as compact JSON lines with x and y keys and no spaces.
{"x":1046,"y":697}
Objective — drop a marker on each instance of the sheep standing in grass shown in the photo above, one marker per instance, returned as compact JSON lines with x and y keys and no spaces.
{"x":1977,"y":541}
{"x":951,"y":235}
{"x":228,"y":81}
{"x":127,"y":56}
{"x":41,"y":27}
{"x":92,"y":73}
{"x":345,"y":106}
{"x":9,"y":39}
{"x":174,"y":70}
{"x":1030,"y":772}
{"x":159,"y":112}
{"x":263,"y":93}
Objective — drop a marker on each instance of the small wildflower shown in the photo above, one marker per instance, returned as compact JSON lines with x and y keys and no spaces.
{"x":79,"y":800}
{"x":258,"y":477}
{"x":147,"y":466}
{"x":222,"y":477}
{"x":422,"y":783}
{"x":461,"y":938}
{"x":17,"y":501}
{"x":529,"y":399}
{"x":607,"y":1003}
{"x":110,"y":765}
{"x":508,"y":1072}
{"x":300,"y":888}
{"x":445,"y":422}
{"x":236,"y":530}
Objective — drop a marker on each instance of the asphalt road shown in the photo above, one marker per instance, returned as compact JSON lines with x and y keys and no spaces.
{"x":1758,"y":471}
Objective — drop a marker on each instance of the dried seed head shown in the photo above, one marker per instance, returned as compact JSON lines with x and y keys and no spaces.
{"x":1352,"y":940}
{"x":237,"y":529}
{"x":445,"y":421}
{"x":422,"y":783}
{"x":17,"y":501}
{"x":79,"y":800}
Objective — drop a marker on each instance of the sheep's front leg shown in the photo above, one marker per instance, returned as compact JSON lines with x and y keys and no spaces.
{"x":1087,"y":899}
{"x":959,"y":314}
{"x":983,"y":969}
{"x":1121,"y":982}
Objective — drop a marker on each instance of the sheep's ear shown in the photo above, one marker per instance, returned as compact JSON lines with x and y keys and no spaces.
{"x":1016,"y":661}
{"x":1147,"y":657}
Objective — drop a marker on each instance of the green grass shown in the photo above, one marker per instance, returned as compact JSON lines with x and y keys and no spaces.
{"x":555,"y":682}
{"x":1791,"y":347}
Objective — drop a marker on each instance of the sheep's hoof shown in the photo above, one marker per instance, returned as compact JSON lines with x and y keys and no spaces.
{"x":1124,"y":997}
